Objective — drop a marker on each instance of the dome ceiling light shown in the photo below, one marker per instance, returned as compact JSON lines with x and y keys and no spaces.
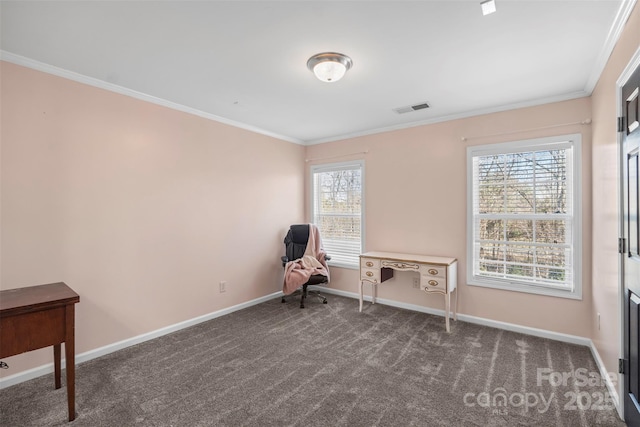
{"x":329,"y":66}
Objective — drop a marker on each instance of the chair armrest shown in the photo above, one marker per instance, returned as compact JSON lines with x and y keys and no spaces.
{"x":285,"y":260}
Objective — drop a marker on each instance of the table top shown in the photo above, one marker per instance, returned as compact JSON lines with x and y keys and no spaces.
{"x":31,"y":298}
{"x":395,"y":256}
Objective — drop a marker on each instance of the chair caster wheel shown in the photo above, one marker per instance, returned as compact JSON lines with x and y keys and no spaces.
{"x":282,"y":300}
{"x":324,"y":301}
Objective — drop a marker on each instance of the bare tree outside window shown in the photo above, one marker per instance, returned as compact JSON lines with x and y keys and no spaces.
{"x":522,"y":217}
{"x":337,"y":211}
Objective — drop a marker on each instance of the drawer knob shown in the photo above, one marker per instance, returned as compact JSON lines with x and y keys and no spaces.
{"x":369,"y":273}
{"x":369,"y":264}
{"x":433,"y":283}
{"x":433,"y":271}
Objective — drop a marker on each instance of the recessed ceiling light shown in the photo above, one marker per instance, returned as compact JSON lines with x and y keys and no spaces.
{"x":488,"y":7}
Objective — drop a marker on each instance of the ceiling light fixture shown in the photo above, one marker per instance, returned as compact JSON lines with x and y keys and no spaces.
{"x":488,"y":7}
{"x":329,"y":66}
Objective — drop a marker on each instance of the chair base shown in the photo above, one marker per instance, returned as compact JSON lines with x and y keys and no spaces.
{"x":304,"y":293}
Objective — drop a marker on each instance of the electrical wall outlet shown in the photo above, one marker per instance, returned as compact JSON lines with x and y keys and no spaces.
{"x":416,"y":283}
{"x":223,"y":286}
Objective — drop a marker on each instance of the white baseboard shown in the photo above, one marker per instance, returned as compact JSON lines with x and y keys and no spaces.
{"x":543,"y":333}
{"x":611,"y":387}
{"x":98,"y":352}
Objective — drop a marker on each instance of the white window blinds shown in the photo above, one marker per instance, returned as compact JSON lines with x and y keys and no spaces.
{"x":523,"y":219}
{"x":337,"y":210}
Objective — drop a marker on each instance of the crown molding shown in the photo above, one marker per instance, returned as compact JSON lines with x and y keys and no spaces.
{"x":91,"y":81}
{"x":463,"y":115}
{"x":626,"y":7}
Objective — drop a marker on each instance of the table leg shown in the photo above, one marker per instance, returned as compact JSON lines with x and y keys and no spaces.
{"x":56,"y":365}
{"x":374,"y":292}
{"x":455,"y":308}
{"x":70,"y":365}
{"x":447,"y":310}
{"x":361,"y":286}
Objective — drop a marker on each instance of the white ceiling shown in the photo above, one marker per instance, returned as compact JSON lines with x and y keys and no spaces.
{"x":244,"y":62}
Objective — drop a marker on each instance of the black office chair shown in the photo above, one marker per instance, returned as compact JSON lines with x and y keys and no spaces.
{"x":295,"y":243}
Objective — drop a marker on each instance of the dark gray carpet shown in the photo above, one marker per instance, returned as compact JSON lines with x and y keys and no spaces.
{"x":326,"y":365}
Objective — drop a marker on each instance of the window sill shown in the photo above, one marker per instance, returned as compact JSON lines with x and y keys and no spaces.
{"x":530,"y":289}
{"x":343,"y":265}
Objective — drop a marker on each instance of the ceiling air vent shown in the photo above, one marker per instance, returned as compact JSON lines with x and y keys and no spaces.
{"x":410,"y":108}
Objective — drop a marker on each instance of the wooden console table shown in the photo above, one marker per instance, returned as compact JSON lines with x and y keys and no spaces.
{"x":437,"y":274}
{"x":37,"y":317}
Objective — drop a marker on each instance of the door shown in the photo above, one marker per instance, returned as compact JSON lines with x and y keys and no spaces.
{"x":630,"y":246}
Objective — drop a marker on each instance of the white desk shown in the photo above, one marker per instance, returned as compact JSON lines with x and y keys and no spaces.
{"x":437,"y":274}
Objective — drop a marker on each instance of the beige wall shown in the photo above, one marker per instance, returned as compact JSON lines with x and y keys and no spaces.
{"x":415,"y":202}
{"x":141,"y":209}
{"x":606,"y":294}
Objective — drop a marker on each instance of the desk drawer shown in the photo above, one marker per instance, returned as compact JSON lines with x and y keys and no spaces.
{"x":370,"y":274}
{"x":433,"y":271}
{"x":369,"y":263}
{"x":429,"y":283}
{"x":370,"y":269}
{"x":30,"y":331}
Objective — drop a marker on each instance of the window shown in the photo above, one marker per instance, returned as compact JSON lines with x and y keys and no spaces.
{"x":337,"y":210}
{"x":524,"y":216}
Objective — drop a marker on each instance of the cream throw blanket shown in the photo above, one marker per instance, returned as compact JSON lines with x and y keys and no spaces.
{"x":298,"y":272}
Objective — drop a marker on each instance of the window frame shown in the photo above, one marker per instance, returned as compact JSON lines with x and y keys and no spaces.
{"x":570,"y":141}
{"x":328,"y":167}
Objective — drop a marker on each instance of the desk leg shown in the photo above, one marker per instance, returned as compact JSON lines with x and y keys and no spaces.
{"x":70,"y":365}
{"x":447,"y":310}
{"x":56,"y":365}
{"x":455,"y":307}
{"x":374,"y":292}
